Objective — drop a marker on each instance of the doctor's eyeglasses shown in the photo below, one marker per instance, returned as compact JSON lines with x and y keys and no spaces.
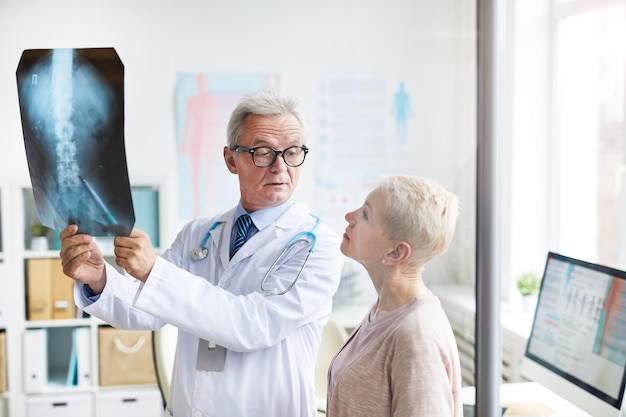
{"x":264,"y":156}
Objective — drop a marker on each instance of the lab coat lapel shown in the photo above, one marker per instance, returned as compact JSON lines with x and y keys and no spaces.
{"x":224,"y":235}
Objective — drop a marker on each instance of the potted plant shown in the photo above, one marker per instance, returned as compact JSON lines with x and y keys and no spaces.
{"x":39,"y":236}
{"x":528,"y":285}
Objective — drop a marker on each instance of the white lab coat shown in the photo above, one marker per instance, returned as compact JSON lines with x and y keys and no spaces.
{"x":271,"y":340}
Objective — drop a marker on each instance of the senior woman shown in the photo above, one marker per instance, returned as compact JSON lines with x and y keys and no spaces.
{"x":402,"y":360}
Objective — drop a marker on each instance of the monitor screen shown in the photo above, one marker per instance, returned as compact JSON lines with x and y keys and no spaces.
{"x":577,"y":344}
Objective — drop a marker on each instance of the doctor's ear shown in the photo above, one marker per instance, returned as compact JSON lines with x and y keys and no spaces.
{"x":229,"y":158}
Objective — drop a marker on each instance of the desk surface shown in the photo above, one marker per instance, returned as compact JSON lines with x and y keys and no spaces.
{"x":529,"y":399}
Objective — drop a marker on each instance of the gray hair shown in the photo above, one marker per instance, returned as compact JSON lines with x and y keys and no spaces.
{"x":421,"y":213}
{"x":266,"y":103}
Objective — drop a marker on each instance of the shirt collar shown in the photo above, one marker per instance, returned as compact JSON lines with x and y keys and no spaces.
{"x":264,"y":217}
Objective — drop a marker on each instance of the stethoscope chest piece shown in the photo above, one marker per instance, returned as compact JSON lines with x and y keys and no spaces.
{"x":198,"y":253}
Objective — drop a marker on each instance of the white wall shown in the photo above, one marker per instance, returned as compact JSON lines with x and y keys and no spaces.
{"x":433,"y":40}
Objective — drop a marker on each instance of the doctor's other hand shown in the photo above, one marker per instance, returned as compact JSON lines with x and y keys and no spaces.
{"x":135,"y":254}
{"x":82,"y":259}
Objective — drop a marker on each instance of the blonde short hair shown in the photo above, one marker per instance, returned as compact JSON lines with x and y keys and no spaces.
{"x":420,"y":212}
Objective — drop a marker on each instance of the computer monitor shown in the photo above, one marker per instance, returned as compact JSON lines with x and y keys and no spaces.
{"x":577,"y":344}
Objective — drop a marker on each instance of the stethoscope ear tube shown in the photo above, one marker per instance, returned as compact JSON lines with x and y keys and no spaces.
{"x":274,"y":291}
{"x":308,"y":237}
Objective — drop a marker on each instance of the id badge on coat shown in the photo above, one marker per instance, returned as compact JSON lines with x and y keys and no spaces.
{"x":211,"y":357}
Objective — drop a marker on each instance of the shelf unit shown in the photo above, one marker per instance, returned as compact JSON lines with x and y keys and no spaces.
{"x":62,"y":393}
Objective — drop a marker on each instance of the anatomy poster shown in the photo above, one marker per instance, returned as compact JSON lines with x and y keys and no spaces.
{"x":72,"y":107}
{"x":366,"y":127}
{"x":204,"y":102}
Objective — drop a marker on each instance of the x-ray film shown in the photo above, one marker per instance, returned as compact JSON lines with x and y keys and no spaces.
{"x":72,"y":107}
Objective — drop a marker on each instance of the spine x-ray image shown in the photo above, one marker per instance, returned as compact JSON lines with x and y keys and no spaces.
{"x":72,"y":107}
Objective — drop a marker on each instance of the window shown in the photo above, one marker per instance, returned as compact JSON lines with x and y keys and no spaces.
{"x":568,"y":149}
{"x":590,"y":138}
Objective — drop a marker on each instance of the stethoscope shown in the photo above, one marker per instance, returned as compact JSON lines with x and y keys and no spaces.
{"x":200,"y":252}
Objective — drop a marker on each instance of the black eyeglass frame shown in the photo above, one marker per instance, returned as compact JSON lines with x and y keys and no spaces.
{"x":251,"y":151}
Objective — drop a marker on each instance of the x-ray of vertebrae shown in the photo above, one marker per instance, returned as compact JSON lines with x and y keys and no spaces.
{"x":72,"y":107}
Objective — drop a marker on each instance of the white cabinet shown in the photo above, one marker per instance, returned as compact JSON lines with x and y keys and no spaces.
{"x":129,"y":403}
{"x":60,"y":405}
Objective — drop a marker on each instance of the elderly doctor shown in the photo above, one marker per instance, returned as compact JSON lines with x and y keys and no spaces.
{"x":248,"y":330}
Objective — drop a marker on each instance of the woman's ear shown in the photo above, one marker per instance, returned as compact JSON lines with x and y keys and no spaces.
{"x":229,"y":158}
{"x":400,"y":253}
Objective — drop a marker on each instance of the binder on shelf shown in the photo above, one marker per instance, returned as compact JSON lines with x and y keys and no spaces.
{"x":50,"y":292}
{"x":62,"y":364}
{"x":35,"y":360}
{"x":3,"y":362}
{"x":72,"y":368}
{"x":82,"y":344}
{"x":79,"y":366}
{"x":39,"y":288}
{"x":63,"y":306}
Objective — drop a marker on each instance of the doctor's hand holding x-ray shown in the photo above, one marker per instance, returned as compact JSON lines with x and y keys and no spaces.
{"x":249,"y":322}
{"x":86,"y":263}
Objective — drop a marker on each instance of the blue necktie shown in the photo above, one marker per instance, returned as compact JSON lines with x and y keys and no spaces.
{"x":243,"y":224}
